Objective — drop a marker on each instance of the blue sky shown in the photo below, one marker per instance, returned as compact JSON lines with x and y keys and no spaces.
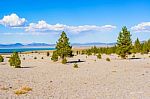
{"x":27,"y":21}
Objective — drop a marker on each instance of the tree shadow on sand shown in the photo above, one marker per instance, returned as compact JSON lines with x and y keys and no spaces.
{"x":78,"y":61}
{"x":134,"y":58}
{"x":28,"y":67}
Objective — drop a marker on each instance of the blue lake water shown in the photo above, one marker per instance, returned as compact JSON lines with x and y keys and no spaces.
{"x":11,"y":50}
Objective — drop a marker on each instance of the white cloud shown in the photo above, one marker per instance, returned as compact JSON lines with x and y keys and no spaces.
{"x":142,"y":27}
{"x":12,"y":20}
{"x":42,"y":26}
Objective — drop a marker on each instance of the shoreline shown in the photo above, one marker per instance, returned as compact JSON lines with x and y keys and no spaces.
{"x":41,"y":51}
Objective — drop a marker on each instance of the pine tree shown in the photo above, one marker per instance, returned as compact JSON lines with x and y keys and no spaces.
{"x":124,"y":43}
{"x":137,"y":46}
{"x":15,"y":60}
{"x":63,"y":48}
{"x":145,"y":48}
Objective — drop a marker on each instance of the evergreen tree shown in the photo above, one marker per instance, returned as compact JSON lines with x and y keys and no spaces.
{"x":63,"y":48}
{"x":137,"y":46}
{"x":145,"y":48}
{"x":94,"y":50}
{"x":1,"y":58}
{"x":124,"y":43}
{"x":15,"y":60}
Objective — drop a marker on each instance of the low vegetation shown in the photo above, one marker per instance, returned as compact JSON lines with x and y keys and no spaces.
{"x":23,"y":90}
{"x":64,"y":61}
{"x":75,"y":65}
{"x":108,"y":59}
{"x":54,"y":56}
{"x":99,"y":56}
{"x":47,"y":54}
{"x":15,"y":60}
{"x":35,"y":57}
{"x":1,"y":59}
{"x":133,"y":56}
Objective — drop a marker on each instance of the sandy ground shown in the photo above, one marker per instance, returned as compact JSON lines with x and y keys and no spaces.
{"x":94,"y":79}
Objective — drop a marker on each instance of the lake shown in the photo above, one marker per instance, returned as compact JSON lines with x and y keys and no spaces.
{"x":11,"y":50}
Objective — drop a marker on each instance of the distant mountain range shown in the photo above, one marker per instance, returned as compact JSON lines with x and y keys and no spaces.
{"x":52,"y":45}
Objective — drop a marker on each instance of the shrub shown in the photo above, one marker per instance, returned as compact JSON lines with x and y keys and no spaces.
{"x":19,"y":92}
{"x":26,"y":88}
{"x":75,"y":65}
{"x":1,"y":58}
{"x":35,"y":57}
{"x":23,"y":90}
{"x":133,"y":55}
{"x":77,"y":52}
{"x":15,"y":60}
{"x":99,"y":56}
{"x":42,"y":58}
{"x":108,"y":59}
{"x":64,"y":61}
{"x":54,"y":56}
{"x":47,"y":54}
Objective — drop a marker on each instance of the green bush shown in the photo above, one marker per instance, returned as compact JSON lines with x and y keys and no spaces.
{"x":15,"y":60}
{"x":108,"y":59}
{"x":1,"y":58}
{"x":35,"y":57}
{"x":99,"y":56}
{"x":75,"y":65}
{"x":54,"y":56}
{"x":64,"y":61}
{"x":133,"y":55}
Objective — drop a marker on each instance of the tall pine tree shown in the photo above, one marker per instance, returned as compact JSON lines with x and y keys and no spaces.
{"x":63,"y":48}
{"x":124,"y":43}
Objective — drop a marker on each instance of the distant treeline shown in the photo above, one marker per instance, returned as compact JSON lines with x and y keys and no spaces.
{"x":137,"y":47}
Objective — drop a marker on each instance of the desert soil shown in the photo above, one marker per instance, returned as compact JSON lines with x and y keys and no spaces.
{"x":94,"y":79}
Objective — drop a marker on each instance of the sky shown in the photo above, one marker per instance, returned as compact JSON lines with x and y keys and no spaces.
{"x":42,"y":21}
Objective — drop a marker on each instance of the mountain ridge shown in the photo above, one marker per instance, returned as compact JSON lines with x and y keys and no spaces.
{"x":45,"y":44}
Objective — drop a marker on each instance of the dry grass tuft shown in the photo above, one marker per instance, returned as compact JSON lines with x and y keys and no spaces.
{"x":26,"y":88}
{"x":20,"y":92}
{"x":23,"y":90}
